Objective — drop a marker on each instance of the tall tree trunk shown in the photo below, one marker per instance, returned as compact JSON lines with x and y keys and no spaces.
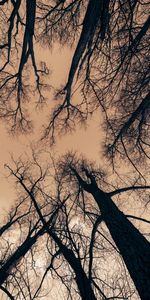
{"x":133,"y":246}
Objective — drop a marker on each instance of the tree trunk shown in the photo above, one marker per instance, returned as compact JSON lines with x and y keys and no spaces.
{"x":5,"y":270}
{"x":83,"y":283}
{"x":133,"y":246}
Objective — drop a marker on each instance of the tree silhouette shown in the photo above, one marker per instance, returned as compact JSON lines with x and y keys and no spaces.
{"x":128,"y":240}
{"x":76,"y":255}
{"x":68,"y":225}
{"x":110,"y":66}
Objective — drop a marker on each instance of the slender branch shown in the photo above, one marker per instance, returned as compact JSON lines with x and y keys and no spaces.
{"x":7,"y":292}
{"x":94,"y":230}
{"x":129,"y":188}
{"x":138,"y":218}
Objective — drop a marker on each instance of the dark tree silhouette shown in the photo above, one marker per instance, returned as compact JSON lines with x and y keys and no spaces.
{"x":77,"y":255}
{"x":109,"y":72}
{"x":133,"y":247}
{"x":110,"y":66}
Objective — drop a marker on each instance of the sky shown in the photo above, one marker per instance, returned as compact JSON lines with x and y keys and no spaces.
{"x":84,"y":140}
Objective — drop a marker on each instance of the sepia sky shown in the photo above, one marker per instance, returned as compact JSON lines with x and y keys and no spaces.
{"x":84,"y":140}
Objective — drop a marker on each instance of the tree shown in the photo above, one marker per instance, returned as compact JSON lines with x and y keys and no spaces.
{"x":127,"y":238}
{"x":73,"y":252}
{"x":109,"y":70}
{"x":110,"y":64}
{"x":33,"y":234}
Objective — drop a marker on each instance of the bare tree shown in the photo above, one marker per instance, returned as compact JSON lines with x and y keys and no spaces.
{"x":109,"y":70}
{"x":110,"y":66}
{"x":127,"y":238}
{"x":78,"y":235}
{"x":17,"y":48}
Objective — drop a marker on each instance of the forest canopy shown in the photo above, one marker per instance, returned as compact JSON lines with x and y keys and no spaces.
{"x":109,"y":68}
{"x":78,"y":229}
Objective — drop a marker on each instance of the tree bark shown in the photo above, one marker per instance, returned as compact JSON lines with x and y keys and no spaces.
{"x":133,"y":246}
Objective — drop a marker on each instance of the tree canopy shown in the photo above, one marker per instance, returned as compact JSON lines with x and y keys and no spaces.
{"x":69,"y":227}
{"x":109,"y":68}
{"x":77,"y":229}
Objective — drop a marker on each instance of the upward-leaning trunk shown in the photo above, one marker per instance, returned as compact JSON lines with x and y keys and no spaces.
{"x":91,"y":19}
{"x":82,"y":281}
{"x":133,"y":246}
